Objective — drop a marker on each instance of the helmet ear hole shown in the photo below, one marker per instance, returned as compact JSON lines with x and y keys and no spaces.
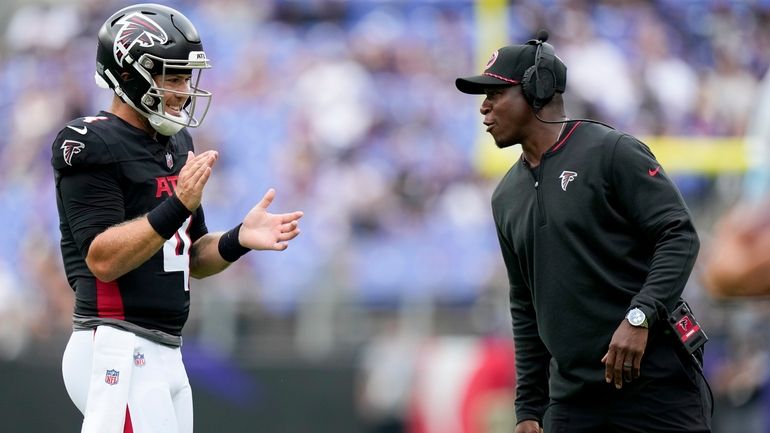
{"x":149,"y":101}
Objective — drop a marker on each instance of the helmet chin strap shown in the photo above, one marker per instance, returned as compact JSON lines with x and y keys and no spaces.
{"x":165,"y":126}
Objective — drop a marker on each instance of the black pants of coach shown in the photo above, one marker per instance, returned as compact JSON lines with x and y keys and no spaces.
{"x":681,"y":403}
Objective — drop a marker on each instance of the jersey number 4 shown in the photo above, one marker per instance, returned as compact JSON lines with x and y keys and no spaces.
{"x":176,"y":253}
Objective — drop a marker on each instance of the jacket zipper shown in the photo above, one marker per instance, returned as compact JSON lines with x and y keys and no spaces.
{"x":541,"y":217}
{"x":539,"y":197}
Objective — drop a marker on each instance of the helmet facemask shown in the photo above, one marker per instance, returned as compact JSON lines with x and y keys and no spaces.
{"x":153,"y":102}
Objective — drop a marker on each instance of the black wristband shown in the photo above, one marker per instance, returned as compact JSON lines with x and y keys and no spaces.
{"x":167,"y":217}
{"x":229,"y":247}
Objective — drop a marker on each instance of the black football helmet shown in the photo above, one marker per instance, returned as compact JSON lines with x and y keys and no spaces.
{"x":138,"y":47}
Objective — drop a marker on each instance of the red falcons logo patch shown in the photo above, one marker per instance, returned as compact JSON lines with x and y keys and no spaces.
{"x":567,"y":177}
{"x":136,"y":29}
{"x":69,"y":148}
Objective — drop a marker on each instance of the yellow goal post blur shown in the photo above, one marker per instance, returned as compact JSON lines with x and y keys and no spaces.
{"x":678,"y":155}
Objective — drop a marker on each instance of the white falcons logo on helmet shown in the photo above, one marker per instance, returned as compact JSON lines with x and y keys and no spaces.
{"x":69,"y":148}
{"x":567,"y":177}
{"x":136,"y":28}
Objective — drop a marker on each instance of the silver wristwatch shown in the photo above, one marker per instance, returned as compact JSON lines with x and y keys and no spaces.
{"x":636,"y":317}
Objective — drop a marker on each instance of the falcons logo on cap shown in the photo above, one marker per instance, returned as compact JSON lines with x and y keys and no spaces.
{"x":69,"y":148}
{"x":567,"y":177}
{"x":492,"y":60}
{"x":136,"y":28}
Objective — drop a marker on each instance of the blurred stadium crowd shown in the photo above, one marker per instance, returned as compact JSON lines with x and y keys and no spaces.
{"x":348,"y":109}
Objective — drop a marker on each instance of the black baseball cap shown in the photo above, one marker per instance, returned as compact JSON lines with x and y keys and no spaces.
{"x":506,"y":67}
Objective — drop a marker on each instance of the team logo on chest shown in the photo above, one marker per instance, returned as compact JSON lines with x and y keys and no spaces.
{"x":169,"y":160}
{"x":567,"y":177}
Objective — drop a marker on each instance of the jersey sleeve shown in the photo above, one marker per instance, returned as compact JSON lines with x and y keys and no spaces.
{"x":92,"y":201}
{"x":79,"y":145}
{"x":87,"y":182}
{"x":651,"y":201}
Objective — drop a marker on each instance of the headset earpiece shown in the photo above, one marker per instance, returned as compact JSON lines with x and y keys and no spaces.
{"x":538,"y":85}
{"x":527,"y":86}
{"x":539,"y":82}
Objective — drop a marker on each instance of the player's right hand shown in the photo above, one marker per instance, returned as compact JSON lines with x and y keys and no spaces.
{"x":529,"y":426}
{"x":193,"y":177}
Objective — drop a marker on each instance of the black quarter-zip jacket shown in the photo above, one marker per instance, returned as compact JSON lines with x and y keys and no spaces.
{"x":596,"y":229}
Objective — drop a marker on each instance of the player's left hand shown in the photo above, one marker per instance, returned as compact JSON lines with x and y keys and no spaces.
{"x":623,"y":359}
{"x":262,"y":230}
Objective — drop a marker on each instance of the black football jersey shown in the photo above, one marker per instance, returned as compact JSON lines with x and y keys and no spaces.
{"x":108,"y":172}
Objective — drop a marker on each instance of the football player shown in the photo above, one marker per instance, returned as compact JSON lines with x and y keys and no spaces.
{"x":128,"y":190}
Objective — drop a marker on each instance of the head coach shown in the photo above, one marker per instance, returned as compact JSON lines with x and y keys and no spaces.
{"x":598,"y":245}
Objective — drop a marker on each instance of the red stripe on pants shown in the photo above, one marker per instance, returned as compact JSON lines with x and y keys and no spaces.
{"x":127,"y":427}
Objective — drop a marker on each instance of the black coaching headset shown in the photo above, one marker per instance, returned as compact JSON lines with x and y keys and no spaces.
{"x":539,"y":82}
{"x":538,"y":85}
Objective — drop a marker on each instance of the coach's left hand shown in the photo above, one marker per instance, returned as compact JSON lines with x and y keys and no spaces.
{"x":623,"y":359}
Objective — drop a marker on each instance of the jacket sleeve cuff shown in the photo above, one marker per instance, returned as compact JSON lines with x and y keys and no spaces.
{"x":522,"y":416}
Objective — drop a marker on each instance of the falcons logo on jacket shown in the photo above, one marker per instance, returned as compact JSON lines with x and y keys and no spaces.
{"x":136,"y":28}
{"x":567,"y":177}
{"x":69,"y":148}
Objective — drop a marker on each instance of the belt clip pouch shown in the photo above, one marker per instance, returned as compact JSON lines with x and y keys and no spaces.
{"x":686,"y":328}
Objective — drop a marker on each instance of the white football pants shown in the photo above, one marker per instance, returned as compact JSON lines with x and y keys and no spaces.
{"x":123,"y":383}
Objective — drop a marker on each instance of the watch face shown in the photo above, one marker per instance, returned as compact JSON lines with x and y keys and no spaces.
{"x":636,"y":317}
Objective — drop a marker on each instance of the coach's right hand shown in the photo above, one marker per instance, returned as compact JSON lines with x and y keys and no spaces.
{"x":529,"y":426}
{"x":193,"y":177}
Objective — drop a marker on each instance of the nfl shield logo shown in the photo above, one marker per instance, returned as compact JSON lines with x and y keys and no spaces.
{"x":112,"y":377}
{"x":139,"y":359}
{"x":169,"y":160}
